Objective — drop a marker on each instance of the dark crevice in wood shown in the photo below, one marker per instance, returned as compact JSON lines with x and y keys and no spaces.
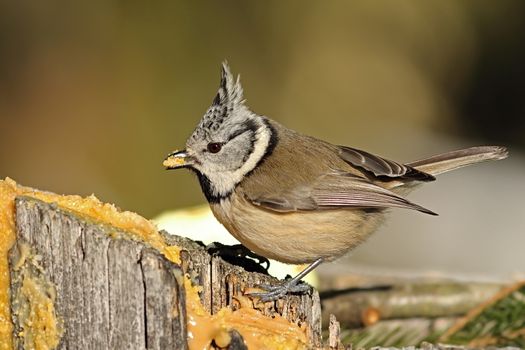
{"x":144,"y":301}
{"x":108,"y":301}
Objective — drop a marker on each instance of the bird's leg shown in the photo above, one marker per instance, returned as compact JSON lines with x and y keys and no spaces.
{"x":288,"y":286}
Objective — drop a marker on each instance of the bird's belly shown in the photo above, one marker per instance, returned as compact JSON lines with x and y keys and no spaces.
{"x":297,"y":237}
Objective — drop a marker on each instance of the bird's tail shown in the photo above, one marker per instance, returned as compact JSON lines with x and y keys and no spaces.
{"x":442,"y":163}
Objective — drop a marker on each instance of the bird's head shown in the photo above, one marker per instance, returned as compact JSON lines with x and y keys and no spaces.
{"x":227,"y":144}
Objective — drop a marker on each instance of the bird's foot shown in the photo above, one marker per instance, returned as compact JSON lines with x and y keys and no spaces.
{"x":239,"y":255}
{"x":272,"y":292}
{"x":291,"y":285}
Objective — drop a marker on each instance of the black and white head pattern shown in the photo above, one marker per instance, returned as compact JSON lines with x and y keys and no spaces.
{"x":229,"y":141}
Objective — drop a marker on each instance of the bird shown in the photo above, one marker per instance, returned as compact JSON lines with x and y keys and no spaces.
{"x":296,"y":198}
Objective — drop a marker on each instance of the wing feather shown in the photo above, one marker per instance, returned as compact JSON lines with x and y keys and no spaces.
{"x":379,"y":166}
{"x":337,"y":191}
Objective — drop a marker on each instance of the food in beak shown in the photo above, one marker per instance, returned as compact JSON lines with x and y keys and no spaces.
{"x":176,"y":160}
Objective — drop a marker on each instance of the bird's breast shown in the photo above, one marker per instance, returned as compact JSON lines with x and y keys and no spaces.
{"x":296,"y":237}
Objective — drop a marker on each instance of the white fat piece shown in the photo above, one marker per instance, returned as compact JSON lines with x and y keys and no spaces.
{"x":224,"y":183}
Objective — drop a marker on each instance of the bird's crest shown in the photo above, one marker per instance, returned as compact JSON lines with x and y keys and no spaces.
{"x":229,"y":98}
{"x":230,"y":91}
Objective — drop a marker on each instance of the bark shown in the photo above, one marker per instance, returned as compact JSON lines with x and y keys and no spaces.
{"x":108,"y":291}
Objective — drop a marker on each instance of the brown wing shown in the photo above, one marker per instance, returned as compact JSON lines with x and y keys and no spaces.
{"x":335,"y":191}
{"x":321,"y":176}
{"x":381,"y":167}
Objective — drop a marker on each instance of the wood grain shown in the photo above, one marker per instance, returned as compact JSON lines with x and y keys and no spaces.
{"x":113,"y":292}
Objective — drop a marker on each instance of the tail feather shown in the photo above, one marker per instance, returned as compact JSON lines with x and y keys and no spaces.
{"x":442,"y":163}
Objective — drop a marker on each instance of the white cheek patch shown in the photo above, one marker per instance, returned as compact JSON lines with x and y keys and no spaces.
{"x":262,"y":141}
{"x":224,"y":182}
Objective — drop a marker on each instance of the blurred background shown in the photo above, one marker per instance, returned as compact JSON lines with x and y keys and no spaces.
{"x":94,"y":95}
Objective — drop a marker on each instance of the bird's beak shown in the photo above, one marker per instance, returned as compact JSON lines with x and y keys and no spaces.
{"x":178,"y":159}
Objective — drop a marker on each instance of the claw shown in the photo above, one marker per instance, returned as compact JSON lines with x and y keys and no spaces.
{"x":273,"y":293}
{"x":292,"y":285}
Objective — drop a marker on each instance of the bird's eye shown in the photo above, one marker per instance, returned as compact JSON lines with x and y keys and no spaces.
{"x":214,"y":147}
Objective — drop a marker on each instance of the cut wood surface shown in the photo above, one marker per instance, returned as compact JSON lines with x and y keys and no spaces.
{"x":108,"y":291}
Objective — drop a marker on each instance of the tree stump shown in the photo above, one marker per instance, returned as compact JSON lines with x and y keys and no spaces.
{"x":98,"y":288}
